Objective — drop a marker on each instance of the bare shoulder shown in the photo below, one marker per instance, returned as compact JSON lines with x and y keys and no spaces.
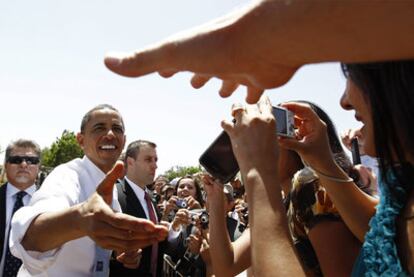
{"x":405,"y":240}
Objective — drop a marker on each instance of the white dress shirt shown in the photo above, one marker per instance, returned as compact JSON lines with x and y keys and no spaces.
{"x":67,"y":185}
{"x":11,"y":193}
{"x":140,"y":194}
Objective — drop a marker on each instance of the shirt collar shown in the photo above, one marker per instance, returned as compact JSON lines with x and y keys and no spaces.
{"x":12,"y":190}
{"x":95,"y":172}
{"x":139,"y":192}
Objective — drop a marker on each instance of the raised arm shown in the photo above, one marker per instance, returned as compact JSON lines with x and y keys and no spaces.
{"x":93,"y":218}
{"x":355,"y":207}
{"x":227,"y":258}
{"x":262,"y":45}
{"x":254,"y":143}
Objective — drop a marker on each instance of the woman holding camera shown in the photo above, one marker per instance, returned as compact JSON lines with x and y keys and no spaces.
{"x":179,"y":208}
{"x":381,"y":94}
{"x":317,"y":230}
{"x":187,"y":196}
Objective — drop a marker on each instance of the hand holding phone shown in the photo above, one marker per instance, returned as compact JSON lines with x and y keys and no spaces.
{"x":219,"y":159}
{"x":356,"y":157}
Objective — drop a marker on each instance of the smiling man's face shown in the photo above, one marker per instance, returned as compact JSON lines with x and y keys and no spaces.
{"x":103,"y":138}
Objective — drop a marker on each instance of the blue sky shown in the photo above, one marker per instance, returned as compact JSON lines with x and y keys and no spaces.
{"x":52,"y":72}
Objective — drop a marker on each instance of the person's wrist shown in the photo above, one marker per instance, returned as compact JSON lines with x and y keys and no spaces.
{"x":332,"y":172}
{"x":325,"y":165}
{"x":254,"y":175}
{"x":80,"y":213}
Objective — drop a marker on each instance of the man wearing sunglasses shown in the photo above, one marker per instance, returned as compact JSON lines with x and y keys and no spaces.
{"x":73,"y":221}
{"x":22,"y":166}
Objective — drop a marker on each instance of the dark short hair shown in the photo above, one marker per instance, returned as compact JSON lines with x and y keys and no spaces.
{"x":134,"y":147}
{"x":88,"y":115}
{"x":22,"y":143}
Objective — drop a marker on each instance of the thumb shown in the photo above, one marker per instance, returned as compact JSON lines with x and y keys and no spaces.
{"x":105,"y":188}
{"x":291,"y":144}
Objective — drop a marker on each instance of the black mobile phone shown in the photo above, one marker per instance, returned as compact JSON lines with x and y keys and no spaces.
{"x":356,"y":157}
{"x":219,"y":159}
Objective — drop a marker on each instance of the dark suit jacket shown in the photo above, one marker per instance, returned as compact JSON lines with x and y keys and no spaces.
{"x":130,"y":205}
{"x":2,"y":217}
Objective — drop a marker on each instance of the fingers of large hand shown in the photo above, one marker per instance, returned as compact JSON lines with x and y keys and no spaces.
{"x":105,"y":188}
{"x":253,"y":94}
{"x":139,"y":63}
{"x":199,"y":80}
{"x":167,"y":73}
{"x":227,"y":88}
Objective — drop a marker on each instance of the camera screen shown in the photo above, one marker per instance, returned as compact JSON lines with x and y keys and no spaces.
{"x":219,"y":159}
{"x":280,"y":116}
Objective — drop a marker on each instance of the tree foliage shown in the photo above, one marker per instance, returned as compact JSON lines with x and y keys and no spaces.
{"x":180,"y":171}
{"x":62,"y":150}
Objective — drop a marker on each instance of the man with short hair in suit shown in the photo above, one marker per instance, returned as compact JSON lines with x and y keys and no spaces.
{"x":141,"y":164}
{"x":22,"y":160}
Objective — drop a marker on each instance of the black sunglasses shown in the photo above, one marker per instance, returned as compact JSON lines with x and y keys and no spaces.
{"x":20,"y":159}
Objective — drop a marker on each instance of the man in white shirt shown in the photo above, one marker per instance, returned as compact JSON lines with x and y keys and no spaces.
{"x":72,"y":219}
{"x":22,"y":166}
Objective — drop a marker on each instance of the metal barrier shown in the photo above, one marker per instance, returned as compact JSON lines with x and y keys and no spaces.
{"x":168,"y":268}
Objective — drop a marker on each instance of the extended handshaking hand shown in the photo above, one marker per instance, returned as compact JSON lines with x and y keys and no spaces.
{"x":117,"y":231}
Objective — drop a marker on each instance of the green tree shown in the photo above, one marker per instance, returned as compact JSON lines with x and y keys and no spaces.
{"x":62,"y":150}
{"x":180,"y":171}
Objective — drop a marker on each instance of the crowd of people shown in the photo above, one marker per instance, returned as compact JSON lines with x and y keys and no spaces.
{"x":199,"y":224}
{"x":298,"y":207}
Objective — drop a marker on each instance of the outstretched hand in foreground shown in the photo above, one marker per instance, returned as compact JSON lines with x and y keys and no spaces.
{"x":113,"y":230}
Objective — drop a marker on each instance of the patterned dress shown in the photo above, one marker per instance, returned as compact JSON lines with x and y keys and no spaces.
{"x":307,"y":205}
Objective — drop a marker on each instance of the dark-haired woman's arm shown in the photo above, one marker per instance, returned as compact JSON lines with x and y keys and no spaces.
{"x":355,"y":207}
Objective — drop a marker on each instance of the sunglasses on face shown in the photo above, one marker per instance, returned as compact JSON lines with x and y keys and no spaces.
{"x":19,"y":159}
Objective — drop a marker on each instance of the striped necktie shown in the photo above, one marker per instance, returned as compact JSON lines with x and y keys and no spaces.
{"x":154,"y":251}
{"x":11,"y":263}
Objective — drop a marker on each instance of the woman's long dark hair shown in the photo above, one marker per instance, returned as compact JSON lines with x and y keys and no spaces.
{"x":388,"y":87}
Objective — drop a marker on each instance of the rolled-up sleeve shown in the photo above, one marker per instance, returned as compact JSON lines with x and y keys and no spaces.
{"x":47,"y":199}
{"x":35,"y":262}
